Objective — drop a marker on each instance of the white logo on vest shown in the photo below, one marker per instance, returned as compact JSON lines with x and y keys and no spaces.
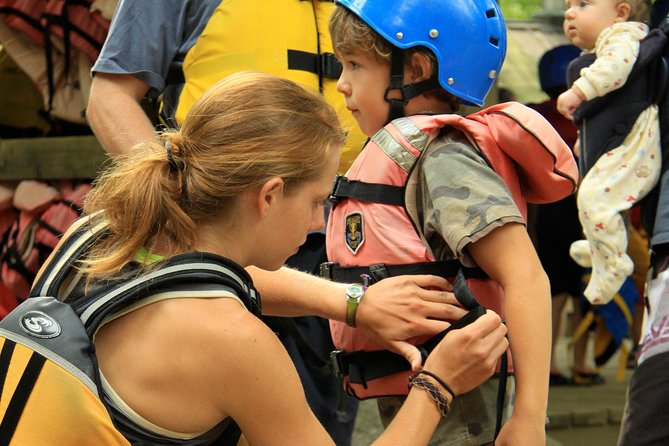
{"x":40,"y":325}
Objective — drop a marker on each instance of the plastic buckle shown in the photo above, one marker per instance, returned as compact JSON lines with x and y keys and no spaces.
{"x":333,"y":197}
{"x":326,"y":270}
{"x":330,"y":67}
{"x":336,"y":365}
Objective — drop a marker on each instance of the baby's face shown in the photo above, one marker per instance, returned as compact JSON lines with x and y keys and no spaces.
{"x":584,"y":20}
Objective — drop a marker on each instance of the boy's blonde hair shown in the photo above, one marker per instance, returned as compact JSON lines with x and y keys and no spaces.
{"x":349,"y":33}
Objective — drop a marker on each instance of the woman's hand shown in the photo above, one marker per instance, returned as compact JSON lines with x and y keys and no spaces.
{"x":468,"y":356}
{"x":400,"y":308}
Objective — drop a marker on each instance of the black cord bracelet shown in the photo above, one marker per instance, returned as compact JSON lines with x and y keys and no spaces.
{"x":440,"y":381}
{"x":416,"y":381}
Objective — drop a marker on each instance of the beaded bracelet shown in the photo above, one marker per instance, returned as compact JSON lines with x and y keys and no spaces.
{"x":416,"y":381}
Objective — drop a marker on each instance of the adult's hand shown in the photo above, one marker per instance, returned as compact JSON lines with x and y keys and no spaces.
{"x":400,"y":308}
{"x":468,"y":356}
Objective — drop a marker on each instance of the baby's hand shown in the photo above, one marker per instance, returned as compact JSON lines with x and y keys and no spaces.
{"x":568,"y":102}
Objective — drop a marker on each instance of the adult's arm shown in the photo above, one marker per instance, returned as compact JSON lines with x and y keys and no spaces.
{"x":392,"y":310}
{"x":263,"y":383}
{"x":115,"y":114}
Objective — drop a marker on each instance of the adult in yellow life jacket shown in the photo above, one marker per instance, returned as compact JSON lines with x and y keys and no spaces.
{"x":214,"y":39}
{"x":174,"y":52}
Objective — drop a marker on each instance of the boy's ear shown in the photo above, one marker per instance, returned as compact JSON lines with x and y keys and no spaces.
{"x":419,"y":68}
{"x":268,"y":195}
{"x":623,"y":11}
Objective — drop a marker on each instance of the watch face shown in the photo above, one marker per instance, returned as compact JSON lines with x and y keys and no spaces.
{"x":354,"y":292}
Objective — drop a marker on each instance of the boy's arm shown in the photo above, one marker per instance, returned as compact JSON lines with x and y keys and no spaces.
{"x":508,"y":256}
{"x":391,"y":311}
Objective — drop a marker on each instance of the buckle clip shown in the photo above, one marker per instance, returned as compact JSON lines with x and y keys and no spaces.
{"x":334,"y":195}
{"x":329,"y":66}
{"x":326,"y":270}
{"x":336,"y":365}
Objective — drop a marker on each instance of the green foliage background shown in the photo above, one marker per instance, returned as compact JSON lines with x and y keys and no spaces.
{"x":520,"y":9}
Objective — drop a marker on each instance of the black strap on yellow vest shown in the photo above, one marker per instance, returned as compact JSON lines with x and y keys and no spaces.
{"x":20,"y":397}
{"x":5,"y":356}
{"x":324,"y":65}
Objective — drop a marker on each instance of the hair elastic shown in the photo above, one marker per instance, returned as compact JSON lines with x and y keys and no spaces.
{"x":170,"y":158}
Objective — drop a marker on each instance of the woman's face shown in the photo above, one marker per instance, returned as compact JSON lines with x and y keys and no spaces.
{"x":294,"y":215}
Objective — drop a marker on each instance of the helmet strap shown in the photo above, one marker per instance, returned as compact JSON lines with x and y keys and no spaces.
{"x":407,"y":92}
{"x":396,"y":83}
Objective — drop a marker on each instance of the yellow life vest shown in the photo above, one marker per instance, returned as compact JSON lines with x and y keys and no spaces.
{"x":288,"y":38}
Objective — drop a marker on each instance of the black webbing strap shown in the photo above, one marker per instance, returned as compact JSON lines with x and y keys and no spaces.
{"x":396,"y":83}
{"x":5,"y":357}
{"x":371,"y":192}
{"x":442,"y":268}
{"x":20,"y":398}
{"x":362,"y":366}
{"x":467,"y":299}
{"x":501,"y":393}
{"x":324,"y":65}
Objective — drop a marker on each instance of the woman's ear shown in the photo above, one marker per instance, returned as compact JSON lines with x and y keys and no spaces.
{"x":623,"y":11}
{"x":418,"y":69}
{"x":269,"y":194}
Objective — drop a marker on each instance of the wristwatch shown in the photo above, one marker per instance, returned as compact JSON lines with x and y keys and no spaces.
{"x":354,"y":295}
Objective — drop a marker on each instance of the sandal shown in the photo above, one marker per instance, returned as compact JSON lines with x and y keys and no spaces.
{"x":587,"y":378}
{"x":558,"y":379}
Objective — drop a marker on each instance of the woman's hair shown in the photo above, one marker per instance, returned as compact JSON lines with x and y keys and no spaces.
{"x":349,"y":33}
{"x":639,"y":10}
{"x":243,"y":131}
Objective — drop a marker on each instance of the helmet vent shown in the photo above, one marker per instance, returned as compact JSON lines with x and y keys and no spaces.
{"x":490,"y":13}
{"x":494,"y":41}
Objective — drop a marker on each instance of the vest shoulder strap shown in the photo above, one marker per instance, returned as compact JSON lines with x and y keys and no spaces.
{"x":65,"y":257}
{"x":194,"y":273}
{"x":518,"y":143}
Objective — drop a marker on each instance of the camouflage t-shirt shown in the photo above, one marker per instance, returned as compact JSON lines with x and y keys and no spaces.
{"x":460,"y":199}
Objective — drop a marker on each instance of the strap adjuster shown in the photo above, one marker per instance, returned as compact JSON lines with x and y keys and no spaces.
{"x":326,"y":270}
{"x":337,"y":366}
{"x":334,"y":196}
{"x":329,"y":66}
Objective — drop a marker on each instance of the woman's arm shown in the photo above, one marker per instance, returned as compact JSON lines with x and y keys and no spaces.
{"x":392,"y":310}
{"x":259,"y":388}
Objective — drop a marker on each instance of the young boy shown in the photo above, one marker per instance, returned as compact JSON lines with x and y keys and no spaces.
{"x":616,"y":175}
{"x":403,"y":58}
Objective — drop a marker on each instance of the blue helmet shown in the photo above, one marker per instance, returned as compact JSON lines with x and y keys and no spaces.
{"x":553,"y":66}
{"x":468,"y":37}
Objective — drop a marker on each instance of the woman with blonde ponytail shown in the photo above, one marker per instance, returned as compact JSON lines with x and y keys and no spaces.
{"x":242,"y":181}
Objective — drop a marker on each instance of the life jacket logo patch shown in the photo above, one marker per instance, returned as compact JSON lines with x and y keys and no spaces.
{"x":354,"y":232}
{"x":40,"y":325}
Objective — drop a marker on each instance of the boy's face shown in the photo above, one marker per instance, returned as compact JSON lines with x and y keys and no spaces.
{"x":363,"y":83}
{"x":584,"y":20}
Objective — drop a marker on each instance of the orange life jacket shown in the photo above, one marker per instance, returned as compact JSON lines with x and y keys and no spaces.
{"x":382,"y":234}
